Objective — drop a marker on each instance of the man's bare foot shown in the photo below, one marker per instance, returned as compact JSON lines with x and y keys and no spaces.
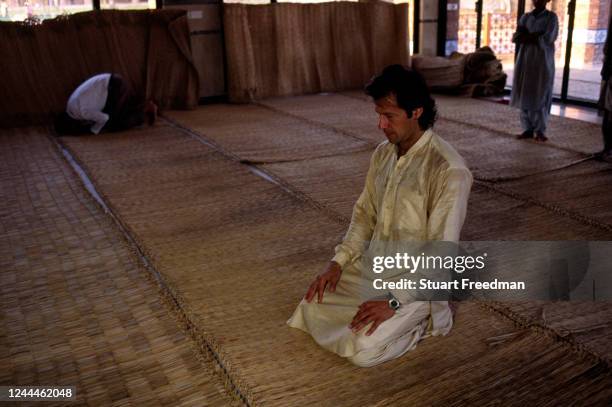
{"x":151,"y":112}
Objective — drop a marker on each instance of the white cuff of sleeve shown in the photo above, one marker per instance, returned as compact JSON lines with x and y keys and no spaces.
{"x":95,"y":129}
{"x":341,"y":258}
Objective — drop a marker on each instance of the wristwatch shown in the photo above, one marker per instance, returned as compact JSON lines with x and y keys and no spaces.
{"x":394,"y":303}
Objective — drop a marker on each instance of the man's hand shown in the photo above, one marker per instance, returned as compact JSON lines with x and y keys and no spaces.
{"x":329,"y":278}
{"x":525,"y":37}
{"x":517,"y":37}
{"x":376,"y":311}
{"x":533,"y":38}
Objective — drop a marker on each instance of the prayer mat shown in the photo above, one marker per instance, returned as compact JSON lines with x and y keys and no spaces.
{"x":336,"y":182}
{"x":585,"y":324}
{"x":237,"y":253}
{"x":583,"y":188}
{"x":490,"y":154}
{"x":78,"y":308}
{"x":565,"y":133}
{"x":496,"y":216}
{"x":331,"y":110}
{"x":259,"y":135}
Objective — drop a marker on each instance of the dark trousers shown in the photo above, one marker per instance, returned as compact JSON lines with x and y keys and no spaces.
{"x":125,"y":110}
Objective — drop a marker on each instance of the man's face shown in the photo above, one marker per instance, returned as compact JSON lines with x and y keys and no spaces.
{"x":394,"y":121}
{"x":539,"y":3}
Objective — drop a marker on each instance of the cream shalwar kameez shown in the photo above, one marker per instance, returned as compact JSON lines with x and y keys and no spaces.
{"x":422,"y":196}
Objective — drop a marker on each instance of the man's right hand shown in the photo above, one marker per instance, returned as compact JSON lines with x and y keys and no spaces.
{"x":329,"y":278}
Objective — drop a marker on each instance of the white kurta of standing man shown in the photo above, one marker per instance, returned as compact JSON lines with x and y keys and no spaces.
{"x":534,"y":71}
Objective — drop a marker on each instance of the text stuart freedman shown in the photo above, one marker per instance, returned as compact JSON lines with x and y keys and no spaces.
{"x":422,"y":263}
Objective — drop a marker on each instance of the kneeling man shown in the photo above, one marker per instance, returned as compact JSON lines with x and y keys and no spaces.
{"x":416,"y":190}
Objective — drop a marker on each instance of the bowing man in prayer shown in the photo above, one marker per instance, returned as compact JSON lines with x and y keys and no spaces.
{"x":104,"y":102}
{"x":416,"y":190}
{"x":534,"y":71}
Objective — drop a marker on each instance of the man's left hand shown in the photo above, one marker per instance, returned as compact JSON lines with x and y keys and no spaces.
{"x":375,"y":311}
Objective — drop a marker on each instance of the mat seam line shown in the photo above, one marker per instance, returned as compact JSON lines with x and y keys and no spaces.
{"x":534,"y":325}
{"x":300,"y":195}
{"x":518,"y":177}
{"x":297,"y":160}
{"x":287,"y":187}
{"x":551,"y":208}
{"x":166,"y":293}
{"x":317,"y":124}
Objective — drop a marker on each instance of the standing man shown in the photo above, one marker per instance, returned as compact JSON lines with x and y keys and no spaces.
{"x":605,"y":99}
{"x":534,"y":72}
{"x":104,"y":102}
{"x":416,"y":190}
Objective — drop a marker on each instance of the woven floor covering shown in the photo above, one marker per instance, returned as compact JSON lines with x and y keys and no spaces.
{"x":269,"y":137}
{"x":335,"y":183}
{"x":526,"y":191}
{"x":237,"y":252}
{"x":77,"y":309}
{"x":491,"y":216}
{"x":573,"y":135}
{"x":583,"y":188}
{"x":540,"y":173}
{"x":491,"y":153}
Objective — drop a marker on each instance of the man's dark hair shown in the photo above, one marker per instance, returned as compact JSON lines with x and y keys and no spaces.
{"x":410,"y":91}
